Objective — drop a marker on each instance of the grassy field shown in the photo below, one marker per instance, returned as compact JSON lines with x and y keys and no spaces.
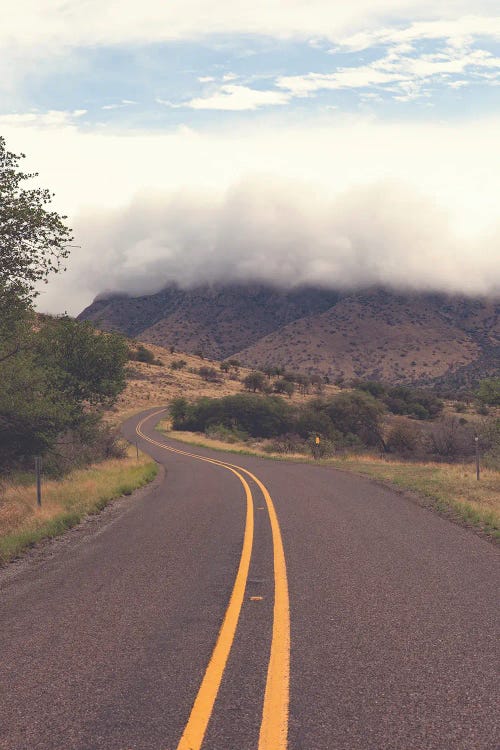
{"x":65,"y":502}
{"x":450,"y":488}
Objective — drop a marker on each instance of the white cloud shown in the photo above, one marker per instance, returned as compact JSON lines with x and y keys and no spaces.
{"x":287,"y":234}
{"x":406,"y":72}
{"x":32,"y":30}
{"x":453,"y":165}
{"x":54,"y":118}
{"x":237,"y":98}
{"x":119,"y":105}
{"x":456,"y":30}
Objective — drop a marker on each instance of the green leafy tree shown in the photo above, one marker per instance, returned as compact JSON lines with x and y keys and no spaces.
{"x":359,"y":414}
{"x":34,"y":241}
{"x":255,"y":381}
{"x":87,"y":365}
{"x":489,"y":392}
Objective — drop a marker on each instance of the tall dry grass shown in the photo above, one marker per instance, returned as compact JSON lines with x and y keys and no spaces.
{"x":66,"y":501}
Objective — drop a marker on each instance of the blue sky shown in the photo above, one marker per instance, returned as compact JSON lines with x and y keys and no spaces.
{"x":173,"y":115}
{"x":227,"y":78}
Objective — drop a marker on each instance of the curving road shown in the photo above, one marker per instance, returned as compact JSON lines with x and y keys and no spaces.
{"x":240,"y":603}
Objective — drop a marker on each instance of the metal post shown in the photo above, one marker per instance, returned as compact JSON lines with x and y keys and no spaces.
{"x":137,"y":449}
{"x":38,"y":471}
{"x":476,"y":440}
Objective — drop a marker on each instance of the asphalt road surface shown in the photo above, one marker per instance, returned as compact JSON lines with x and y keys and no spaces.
{"x":247,"y":604}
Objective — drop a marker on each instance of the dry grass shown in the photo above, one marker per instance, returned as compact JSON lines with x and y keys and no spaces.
{"x":65,"y":502}
{"x":449,"y":487}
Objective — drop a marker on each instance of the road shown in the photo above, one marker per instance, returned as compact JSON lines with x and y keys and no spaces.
{"x":256,"y":605}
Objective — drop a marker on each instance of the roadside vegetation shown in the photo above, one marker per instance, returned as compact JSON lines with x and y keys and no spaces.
{"x":57,"y":378}
{"x":65,"y":501}
{"x":408,"y":437}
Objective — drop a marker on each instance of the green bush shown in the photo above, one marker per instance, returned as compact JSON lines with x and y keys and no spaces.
{"x":415,"y":402}
{"x":489,"y":392}
{"x":142,"y":354}
{"x":256,"y":415}
{"x":358,"y":414}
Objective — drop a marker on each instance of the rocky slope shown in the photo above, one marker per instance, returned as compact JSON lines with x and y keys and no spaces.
{"x":216,"y":320}
{"x":397,"y":337}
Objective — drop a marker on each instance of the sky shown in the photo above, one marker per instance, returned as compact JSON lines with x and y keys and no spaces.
{"x":341,"y":144}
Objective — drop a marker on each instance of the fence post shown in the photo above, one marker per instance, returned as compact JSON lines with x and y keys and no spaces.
{"x":476,"y":440}
{"x":38,"y":471}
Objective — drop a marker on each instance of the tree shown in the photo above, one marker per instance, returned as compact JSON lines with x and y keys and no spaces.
{"x":34,"y":241}
{"x":285,"y":387}
{"x":255,"y":381}
{"x":87,"y":365}
{"x":234,"y":363}
{"x":489,"y":392}
{"x":359,"y":414}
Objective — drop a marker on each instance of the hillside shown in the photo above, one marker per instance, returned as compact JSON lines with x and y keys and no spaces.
{"x":156,"y":384}
{"x":398,"y":337}
{"x":217,"y":320}
{"x":389,"y":337}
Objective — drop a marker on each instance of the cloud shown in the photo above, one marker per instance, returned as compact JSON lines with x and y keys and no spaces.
{"x":54,"y":118}
{"x":56,"y":23}
{"x":402,"y":71}
{"x":285,"y":234}
{"x":237,"y":98}
{"x":452,"y":164}
{"x":456,"y":30}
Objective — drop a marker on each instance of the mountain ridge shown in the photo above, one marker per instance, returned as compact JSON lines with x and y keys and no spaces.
{"x":387,"y":335}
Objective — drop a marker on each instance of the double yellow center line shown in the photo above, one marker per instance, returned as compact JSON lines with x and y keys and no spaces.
{"x":274,"y":726}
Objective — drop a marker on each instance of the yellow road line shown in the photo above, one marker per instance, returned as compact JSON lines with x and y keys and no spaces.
{"x":274,"y":726}
{"x":194,"y":732}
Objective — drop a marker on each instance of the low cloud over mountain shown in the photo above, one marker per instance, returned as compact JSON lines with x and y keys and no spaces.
{"x":286,"y":235}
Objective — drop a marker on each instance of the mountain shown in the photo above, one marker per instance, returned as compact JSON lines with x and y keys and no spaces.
{"x":217,"y":320}
{"x":397,"y":337}
{"x":390,"y":337}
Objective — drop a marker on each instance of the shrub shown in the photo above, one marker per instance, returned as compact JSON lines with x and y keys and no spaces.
{"x":142,"y":354}
{"x":373,"y":387}
{"x":324,"y":449}
{"x":178,"y":364}
{"x":256,"y":415}
{"x":450,"y":439}
{"x":314,"y":421}
{"x":404,"y":438}
{"x":415,"y":402}
{"x":209,"y":374}
{"x":288,"y":443}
